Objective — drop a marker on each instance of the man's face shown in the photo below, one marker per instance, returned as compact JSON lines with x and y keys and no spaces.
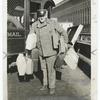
{"x":42,"y":19}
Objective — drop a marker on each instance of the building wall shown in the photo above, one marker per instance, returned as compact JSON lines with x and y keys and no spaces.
{"x":76,"y":11}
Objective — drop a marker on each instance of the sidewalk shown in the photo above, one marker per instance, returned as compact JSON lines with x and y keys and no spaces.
{"x":74,"y":85}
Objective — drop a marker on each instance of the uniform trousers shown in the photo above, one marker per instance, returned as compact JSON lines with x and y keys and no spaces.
{"x":49,"y":74}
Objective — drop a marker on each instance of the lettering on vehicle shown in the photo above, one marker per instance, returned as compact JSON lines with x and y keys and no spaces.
{"x":14,"y":34}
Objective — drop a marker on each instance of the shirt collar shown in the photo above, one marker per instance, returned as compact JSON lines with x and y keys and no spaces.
{"x":39,"y":25}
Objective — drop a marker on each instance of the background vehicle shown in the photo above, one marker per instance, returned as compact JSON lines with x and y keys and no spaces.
{"x":21,"y":14}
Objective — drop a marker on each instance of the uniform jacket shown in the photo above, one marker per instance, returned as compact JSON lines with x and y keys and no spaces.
{"x":48,"y":35}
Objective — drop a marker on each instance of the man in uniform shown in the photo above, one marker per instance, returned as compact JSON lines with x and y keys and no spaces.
{"x":48,"y":33}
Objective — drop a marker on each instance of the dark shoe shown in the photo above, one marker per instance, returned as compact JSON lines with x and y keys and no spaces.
{"x":31,"y":76}
{"x":44,"y":88}
{"x":27,"y":78}
{"x":21,"y":79}
{"x":52,"y":91}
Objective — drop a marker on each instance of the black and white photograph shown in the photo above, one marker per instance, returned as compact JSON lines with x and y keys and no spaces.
{"x":48,"y":50}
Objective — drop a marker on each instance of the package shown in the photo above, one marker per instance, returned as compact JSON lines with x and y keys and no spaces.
{"x":71,"y":58}
{"x":29,"y":66}
{"x":24,"y":65}
{"x":21,"y":64}
{"x":62,"y":45}
{"x":31,"y":41}
{"x":59,"y":61}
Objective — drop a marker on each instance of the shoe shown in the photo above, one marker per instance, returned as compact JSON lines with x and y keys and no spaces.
{"x":21,"y":79}
{"x":44,"y":88}
{"x":52,"y":91}
{"x":27,"y":78}
{"x":31,"y":77}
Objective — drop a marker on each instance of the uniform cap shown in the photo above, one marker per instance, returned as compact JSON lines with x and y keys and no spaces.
{"x":41,"y":12}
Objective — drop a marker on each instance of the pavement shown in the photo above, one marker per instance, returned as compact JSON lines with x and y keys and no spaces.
{"x":70,"y":85}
